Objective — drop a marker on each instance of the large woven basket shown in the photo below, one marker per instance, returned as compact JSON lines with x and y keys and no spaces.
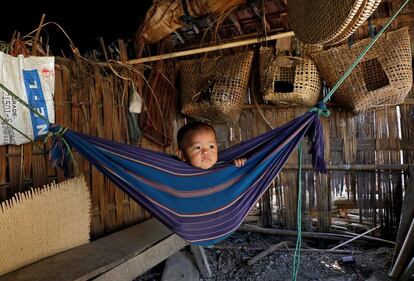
{"x":327,"y":21}
{"x":289,"y":80}
{"x":214,"y":89}
{"x":382,"y":78}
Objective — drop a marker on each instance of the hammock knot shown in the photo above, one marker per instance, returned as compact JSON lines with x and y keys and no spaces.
{"x":60,"y":154}
{"x":321,"y":109}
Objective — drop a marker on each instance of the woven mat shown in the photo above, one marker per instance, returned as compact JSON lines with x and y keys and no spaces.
{"x":42,"y":222}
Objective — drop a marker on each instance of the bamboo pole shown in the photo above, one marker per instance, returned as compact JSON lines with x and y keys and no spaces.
{"x":305,"y":234}
{"x":212,"y":48}
{"x":260,"y":248}
{"x":354,"y":167}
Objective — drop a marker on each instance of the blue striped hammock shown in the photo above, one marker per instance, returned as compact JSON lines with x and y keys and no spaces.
{"x":201,"y":206}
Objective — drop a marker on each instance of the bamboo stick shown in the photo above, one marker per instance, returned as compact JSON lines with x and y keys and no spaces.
{"x":266,"y":252}
{"x":355,"y":238}
{"x":212,"y":48}
{"x":34,"y":51}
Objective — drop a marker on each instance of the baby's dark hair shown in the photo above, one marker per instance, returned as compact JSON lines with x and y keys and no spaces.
{"x":193,"y":126}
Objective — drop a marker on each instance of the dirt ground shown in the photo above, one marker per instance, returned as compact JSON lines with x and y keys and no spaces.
{"x":228,"y":261}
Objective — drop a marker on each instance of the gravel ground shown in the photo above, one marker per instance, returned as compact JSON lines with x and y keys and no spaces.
{"x":228,"y":261}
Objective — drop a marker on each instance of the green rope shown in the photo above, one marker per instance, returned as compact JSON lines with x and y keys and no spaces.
{"x":346,"y":74}
{"x":296,"y":256}
{"x":324,"y":112}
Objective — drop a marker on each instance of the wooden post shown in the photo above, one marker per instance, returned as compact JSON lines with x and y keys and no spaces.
{"x":201,"y":260}
{"x":407,"y":212}
{"x":404,"y":255}
{"x":408,"y":272}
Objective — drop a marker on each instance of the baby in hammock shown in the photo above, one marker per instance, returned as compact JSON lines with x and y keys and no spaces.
{"x":198,"y":145}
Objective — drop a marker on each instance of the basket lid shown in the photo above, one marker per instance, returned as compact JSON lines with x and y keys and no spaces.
{"x":319,"y":20}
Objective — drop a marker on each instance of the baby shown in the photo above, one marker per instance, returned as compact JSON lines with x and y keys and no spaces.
{"x":197,"y":145}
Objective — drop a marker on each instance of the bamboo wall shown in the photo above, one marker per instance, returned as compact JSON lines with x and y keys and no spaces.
{"x":93,"y":100}
{"x":353,"y":146}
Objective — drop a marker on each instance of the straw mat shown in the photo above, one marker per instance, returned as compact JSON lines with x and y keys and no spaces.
{"x":42,"y":222}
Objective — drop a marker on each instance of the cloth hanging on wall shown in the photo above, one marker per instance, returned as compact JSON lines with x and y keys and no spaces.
{"x":201,"y":206}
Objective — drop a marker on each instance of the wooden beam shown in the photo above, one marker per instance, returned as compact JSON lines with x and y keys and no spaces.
{"x":212,"y":48}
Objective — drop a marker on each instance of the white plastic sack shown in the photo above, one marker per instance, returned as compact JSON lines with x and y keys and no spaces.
{"x":33,"y":80}
{"x":135,"y":101}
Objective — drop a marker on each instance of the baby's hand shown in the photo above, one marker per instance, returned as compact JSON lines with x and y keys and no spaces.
{"x":240,"y":162}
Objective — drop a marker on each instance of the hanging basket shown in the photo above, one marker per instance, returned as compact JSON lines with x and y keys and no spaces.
{"x":289,"y":80}
{"x":214,"y":89}
{"x":382,"y":78}
{"x":326,"y":21}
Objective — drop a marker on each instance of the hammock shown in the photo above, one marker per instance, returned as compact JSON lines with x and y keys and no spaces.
{"x":201,"y":206}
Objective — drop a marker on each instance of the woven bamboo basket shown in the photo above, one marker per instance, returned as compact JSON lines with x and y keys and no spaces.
{"x":214,"y":89}
{"x":335,"y":20}
{"x":382,"y":78}
{"x":289,"y":80}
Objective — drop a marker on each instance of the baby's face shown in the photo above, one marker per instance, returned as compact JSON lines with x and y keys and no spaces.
{"x":200,"y":148}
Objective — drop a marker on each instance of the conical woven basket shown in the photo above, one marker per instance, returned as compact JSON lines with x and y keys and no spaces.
{"x":214,"y":89}
{"x":382,"y":78}
{"x":300,"y":74}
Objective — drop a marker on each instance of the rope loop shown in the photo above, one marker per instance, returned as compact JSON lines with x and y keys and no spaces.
{"x":321,"y":109}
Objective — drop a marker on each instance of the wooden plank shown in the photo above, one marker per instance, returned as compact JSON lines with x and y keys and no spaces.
{"x":142,"y":262}
{"x":141,"y":246}
{"x":202,"y":262}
